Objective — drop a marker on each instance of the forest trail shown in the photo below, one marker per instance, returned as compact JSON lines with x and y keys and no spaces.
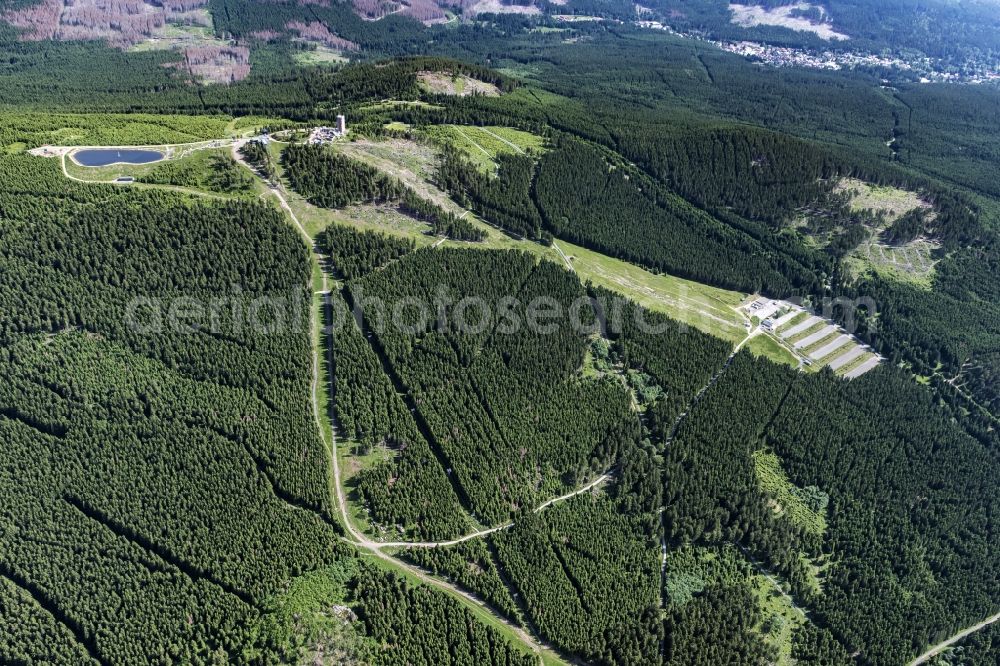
{"x":473,"y":142}
{"x":486,"y":532}
{"x":496,"y":136}
{"x":329,"y":440}
{"x":711,"y":382}
{"x":670,"y":438}
{"x":940,"y":647}
{"x":775,"y":584}
{"x":564,"y":257}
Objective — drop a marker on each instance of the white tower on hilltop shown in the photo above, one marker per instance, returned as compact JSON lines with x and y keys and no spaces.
{"x":341,"y":125}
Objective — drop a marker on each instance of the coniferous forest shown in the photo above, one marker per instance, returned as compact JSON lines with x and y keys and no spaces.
{"x":364,"y":403}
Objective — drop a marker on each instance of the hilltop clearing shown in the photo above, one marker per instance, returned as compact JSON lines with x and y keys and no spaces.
{"x":445,"y":83}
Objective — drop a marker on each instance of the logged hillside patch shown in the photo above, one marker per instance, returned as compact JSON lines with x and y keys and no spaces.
{"x":331,"y":180}
{"x":806,"y":507}
{"x":802,"y":17}
{"x":484,"y":145}
{"x":446,"y":83}
{"x":184,"y":26}
{"x":893,"y":201}
{"x":894,"y":232}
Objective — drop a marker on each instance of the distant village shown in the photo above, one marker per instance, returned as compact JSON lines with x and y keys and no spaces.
{"x":924,"y":69}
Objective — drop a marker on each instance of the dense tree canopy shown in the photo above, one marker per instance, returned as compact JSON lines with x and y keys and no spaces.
{"x":127,"y":552}
{"x":163,"y":487}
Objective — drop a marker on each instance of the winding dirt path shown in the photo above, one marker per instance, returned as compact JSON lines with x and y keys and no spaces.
{"x":544,"y":651}
{"x":564,"y":257}
{"x":329,"y":441}
{"x":376,"y":548}
{"x":481,"y":533}
{"x":940,"y":647}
